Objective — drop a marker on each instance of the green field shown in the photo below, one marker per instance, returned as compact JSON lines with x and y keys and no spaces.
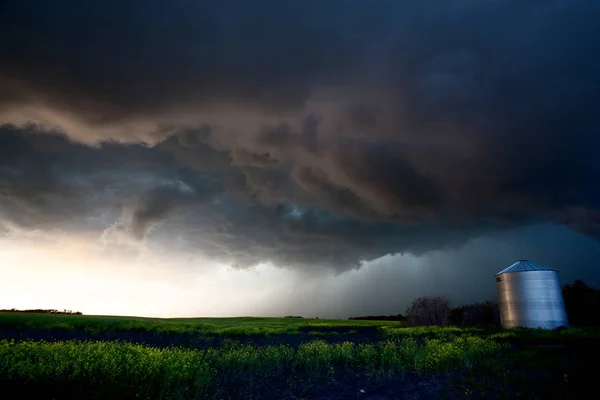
{"x":245,"y":326}
{"x":97,"y":357}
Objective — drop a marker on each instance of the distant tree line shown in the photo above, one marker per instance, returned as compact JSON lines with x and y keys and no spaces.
{"x":44,"y":311}
{"x":582,"y":304}
{"x":437,"y":311}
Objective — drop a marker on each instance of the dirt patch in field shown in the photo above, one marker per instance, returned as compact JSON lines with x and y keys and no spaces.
{"x":406,"y":386}
{"x":148,"y":338}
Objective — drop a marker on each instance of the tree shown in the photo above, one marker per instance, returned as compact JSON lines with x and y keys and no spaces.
{"x":486,"y":313}
{"x":582,"y":303}
{"x":429,"y":311}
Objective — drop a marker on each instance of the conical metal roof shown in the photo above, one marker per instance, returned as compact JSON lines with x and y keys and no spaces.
{"x":525,"y":265}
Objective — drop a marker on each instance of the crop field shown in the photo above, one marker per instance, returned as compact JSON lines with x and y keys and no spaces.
{"x":95,"y":357}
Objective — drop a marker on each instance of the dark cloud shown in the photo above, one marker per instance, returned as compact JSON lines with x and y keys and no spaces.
{"x":136,"y":189}
{"x":149,"y":210}
{"x":465,"y":275}
{"x":49,"y":181}
{"x":304,"y":133}
{"x":307,"y":238}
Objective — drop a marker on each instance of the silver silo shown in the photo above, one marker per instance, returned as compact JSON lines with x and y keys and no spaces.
{"x":529,"y":296}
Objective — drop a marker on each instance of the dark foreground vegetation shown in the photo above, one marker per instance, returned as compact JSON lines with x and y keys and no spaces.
{"x":54,"y":356}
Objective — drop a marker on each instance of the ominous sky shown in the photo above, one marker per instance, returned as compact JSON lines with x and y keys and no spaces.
{"x":323,"y":158}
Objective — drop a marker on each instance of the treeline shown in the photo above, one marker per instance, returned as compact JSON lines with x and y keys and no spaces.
{"x":44,"y":311}
{"x":398,"y":317}
{"x":582,"y":304}
{"x":483,"y":313}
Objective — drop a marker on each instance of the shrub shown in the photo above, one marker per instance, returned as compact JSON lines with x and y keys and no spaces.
{"x":398,"y":317}
{"x":429,"y":311}
{"x":486,"y":313}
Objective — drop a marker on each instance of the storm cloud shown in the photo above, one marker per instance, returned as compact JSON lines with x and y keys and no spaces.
{"x":306,"y":134}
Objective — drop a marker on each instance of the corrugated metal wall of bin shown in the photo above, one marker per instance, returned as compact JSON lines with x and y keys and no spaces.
{"x":529,"y":296}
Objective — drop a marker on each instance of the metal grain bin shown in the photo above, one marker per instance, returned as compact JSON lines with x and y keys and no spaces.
{"x":529,"y":296}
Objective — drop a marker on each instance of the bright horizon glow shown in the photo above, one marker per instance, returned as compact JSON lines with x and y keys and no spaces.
{"x":79,"y":274}
{"x":55,"y":270}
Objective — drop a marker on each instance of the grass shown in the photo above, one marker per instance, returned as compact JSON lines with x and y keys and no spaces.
{"x":279,"y":358}
{"x":225,"y":327}
{"x":103,"y":369}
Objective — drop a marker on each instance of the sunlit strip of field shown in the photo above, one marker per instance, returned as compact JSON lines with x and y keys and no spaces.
{"x":204,"y":326}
